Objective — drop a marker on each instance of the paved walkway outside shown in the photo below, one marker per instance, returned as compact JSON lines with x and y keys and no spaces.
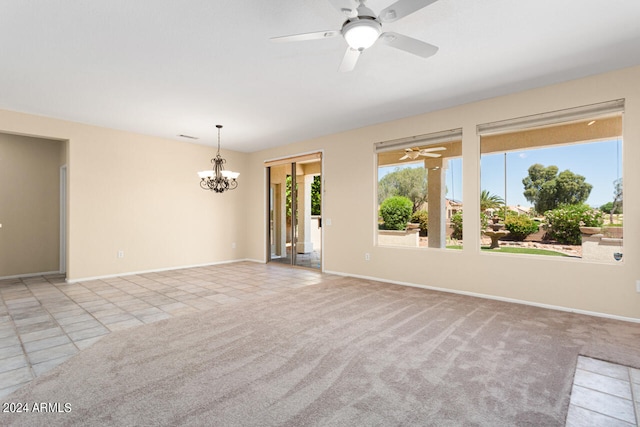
{"x":309,"y":260}
{"x":44,"y":321}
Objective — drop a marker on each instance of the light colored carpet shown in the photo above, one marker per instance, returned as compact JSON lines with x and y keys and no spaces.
{"x":348,"y":352}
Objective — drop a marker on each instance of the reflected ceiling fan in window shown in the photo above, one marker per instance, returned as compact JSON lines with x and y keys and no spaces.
{"x":410,"y":153}
{"x":363,"y":28}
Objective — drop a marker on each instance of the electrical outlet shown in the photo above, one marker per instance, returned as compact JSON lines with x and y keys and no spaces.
{"x":638,"y":286}
{"x":233,"y":245}
{"x":328,"y":222}
{"x":367,"y":257}
{"x":120,"y":254}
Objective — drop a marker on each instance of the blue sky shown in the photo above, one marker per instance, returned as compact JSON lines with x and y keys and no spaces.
{"x":598,"y":162}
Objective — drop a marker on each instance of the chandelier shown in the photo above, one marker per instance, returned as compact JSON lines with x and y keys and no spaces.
{"x":218,"y":179}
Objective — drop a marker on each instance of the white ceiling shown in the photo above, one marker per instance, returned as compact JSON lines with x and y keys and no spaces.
{"x":167,"y":67}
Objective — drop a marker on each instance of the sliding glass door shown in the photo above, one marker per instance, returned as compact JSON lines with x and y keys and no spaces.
{"x":295,"y":220}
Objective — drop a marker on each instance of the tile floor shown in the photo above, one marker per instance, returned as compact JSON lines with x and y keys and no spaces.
{"x":604,"y":394}
{"x":44,"y":321}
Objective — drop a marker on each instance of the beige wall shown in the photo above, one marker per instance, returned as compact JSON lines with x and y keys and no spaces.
{"x":349,"y":201}
{"x":140,"y":195}
{"x":29,"y":204}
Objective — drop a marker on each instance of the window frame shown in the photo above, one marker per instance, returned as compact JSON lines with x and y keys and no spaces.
{"x":423,"y":141}
{"x":607,"y":118}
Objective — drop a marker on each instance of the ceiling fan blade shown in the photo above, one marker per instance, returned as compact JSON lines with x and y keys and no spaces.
{"x":430,"y":155}
{"x":408,"y":44}
{"x":349,"y":60}
{"x":306,"y":36}
{"x":402,"y":8}
{"x":427,"y":150}
{"x":346,"y":7}
{"x":406,"y":156}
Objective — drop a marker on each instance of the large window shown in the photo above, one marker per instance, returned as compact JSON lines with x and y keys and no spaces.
{"x":552,"y":184}
{"x":420,"y":191}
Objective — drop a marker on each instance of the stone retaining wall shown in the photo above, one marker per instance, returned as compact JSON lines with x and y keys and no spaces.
{"x":408,"y":238}
{"x":599,"y":248}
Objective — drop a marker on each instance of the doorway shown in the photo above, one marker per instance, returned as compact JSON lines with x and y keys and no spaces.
{"x":294,"y":211}
{"x":30,"y":238}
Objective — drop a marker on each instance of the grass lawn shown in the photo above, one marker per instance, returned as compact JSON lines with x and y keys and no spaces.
{"x":512,"y":250}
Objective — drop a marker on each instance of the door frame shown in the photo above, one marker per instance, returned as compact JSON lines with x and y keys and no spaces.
{"x":267,"y":188}
{"x":63,"y":219}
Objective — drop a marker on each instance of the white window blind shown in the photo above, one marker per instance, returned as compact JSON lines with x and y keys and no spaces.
{"x":425,"y":139}
{"x":554,"y":117}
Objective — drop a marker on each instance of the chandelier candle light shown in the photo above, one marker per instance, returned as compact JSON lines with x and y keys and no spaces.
{"x":218,"y":179}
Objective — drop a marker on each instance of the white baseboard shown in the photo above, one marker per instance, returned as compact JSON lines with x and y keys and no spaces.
{"x":19,"y":276}
{"x":155,"y":270}
{"x":492,"y":297}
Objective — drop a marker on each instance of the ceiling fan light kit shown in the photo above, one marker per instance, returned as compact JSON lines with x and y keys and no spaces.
{"x":363,"y":28}
{"x":361,"y":34}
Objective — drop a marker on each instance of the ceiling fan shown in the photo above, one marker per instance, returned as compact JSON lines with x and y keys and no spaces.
{"x":363,"y":28}
{"x":412,"y":154}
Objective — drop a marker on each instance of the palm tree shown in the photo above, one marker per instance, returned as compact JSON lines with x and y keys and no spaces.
{"x":490,"y":201}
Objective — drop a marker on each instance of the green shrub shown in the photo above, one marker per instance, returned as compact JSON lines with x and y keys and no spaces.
{"x":564,"y":222}
{"x":396,"y":212}
{"x":456,"y":224}
{"x":421,"y":217}
{"x":609,"y":207}
{"x":520,"y":226}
